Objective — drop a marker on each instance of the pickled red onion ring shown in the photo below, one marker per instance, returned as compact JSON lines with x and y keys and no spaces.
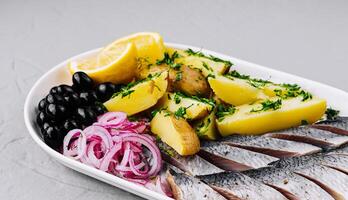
{"x":116,"y":145}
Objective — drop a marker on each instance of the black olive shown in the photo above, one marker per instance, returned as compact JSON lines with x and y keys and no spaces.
{"x":46,"y":125}
{"x":82,"y":82}
{"x":86,"y":115}
{"x":64,"y":89}
{"x":55,"y":99}
{"x":54,"y":90}
{"x":41,"y":118}
{"x":88,"y":98}
{"x":56,"y":111}
{"x":42,"y":104}
{"x":99,"y":109}
{"x":70,"y":124}
{"x":72,"y":99}
{"x":105,"y":91}
{"x":53,"y":136}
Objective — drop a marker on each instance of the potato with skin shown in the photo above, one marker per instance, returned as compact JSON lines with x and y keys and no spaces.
{"x":144,"y":69}
{"x":195,"y":109}
{"x":175,"y":132}
{"x":205,"y":128}
{"x":139,"y":97}
{"x":189,"y":81}
{"x":207,"y":66}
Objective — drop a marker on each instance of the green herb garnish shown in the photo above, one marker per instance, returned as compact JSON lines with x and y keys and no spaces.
{"x":181,"y":112}
{"x":258,"y":83}
{"x":170,"y":60}
{"x":331,"y":114}
{"x":269,"y":105}
{"x":200,"y":99}
{"x":304,"y":122}
{"x":178,"y":76}
{"x":210,"y":57}
{"x":207,"y":67}
{"x":223,"y":110}
{"x":177,"y":98}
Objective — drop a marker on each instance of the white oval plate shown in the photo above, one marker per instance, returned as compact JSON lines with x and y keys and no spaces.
{"x":59,"y":74}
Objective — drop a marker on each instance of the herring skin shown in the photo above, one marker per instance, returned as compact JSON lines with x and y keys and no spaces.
{"x":317,"y":137}
{"x":233,"y":158}
{"x":185,"y":187}
{"x":193,"y":165}
{"x":236,"y":186}
{"x":271,"y":146}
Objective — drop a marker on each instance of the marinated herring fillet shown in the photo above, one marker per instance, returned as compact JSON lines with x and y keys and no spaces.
{"x":291,"y":185}
{"x":331,"y":180}
{"x":271,"y":146}
{"x":317,"y":137}
{"x":339,"y":126}
{"x":233,"y":158}
{"x":194,"y":165}
{"x":185,"y":187}
{"x":336,"y":161}
{"x":236,"y":186}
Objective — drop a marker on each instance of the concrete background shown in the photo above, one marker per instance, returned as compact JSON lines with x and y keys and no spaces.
{"x":307,"y":38}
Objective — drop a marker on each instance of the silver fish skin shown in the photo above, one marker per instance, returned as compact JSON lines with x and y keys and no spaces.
{"x":236,"y":186}
{"x":343,"y":150}
{"x":336,"y":161}
{"x":331,"y":180}
{"x":271,"y":146}
{"x":193,"y":165}
{"x":233,"y":158}
{"x":338,"y":126}
{"x":185,"y":187}
{"x":291,"y":185}
{"x":306,"y":134}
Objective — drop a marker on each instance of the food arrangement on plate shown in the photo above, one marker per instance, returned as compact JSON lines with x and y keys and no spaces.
{"x":190,"y":126}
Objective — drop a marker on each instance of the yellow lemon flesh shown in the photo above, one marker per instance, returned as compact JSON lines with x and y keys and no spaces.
{"x":149,"y":45}
{"x":117,"y":66}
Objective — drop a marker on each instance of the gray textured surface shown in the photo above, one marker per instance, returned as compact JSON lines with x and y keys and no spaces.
{"x":307,"y":38}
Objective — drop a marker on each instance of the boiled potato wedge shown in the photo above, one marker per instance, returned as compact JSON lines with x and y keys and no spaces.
{"x":141,"y":96}
{"x":176,"y":132}
{"x":252,"y":120}
{"x":207,"y":66}
{"x":206,"y":128}
{"x":144,"y":71}
{"x":194,"y":109}
{"x":189,"y":81}
{"x":235,"y":91}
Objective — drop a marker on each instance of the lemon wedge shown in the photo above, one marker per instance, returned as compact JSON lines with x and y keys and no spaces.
{"x":117,"y":65}
{"x":149,"y":46}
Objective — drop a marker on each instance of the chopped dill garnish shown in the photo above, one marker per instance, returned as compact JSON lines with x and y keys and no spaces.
{"x":169,"y":60}
{"x":177,"y":98}
{"x":126,"y":90}
{"x":257,"y":83}
{"x":331,"y":114}
{"x":223,"y":110}
{"x":207,"y":67}
{"x":200,"y":99}
{"x":305,"y":95}
{"x":210,"y":57}
{"x":180,"y":113}
{"x":126,"y":93}
{"x":304,"y":122}
{"x":178,"y":76}
{"x":269,"y":105}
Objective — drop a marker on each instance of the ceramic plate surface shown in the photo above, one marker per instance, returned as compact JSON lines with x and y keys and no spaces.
{"x":336,"y":98}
